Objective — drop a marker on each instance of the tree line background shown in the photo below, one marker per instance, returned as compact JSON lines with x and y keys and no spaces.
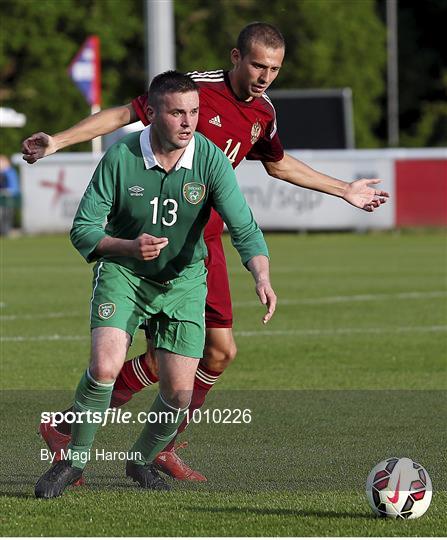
{"x":330,"y":44}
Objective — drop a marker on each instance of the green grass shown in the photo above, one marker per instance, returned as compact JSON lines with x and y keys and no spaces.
{"x":351,"y":370}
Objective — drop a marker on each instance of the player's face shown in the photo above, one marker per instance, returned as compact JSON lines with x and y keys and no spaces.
{"x":175,"y":118}
{"x":254,"y":73}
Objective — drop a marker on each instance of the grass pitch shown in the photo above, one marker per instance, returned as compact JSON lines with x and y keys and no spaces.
{"x":351,"y":370}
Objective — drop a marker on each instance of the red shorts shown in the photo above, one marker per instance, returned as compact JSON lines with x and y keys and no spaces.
{"x":218,"y":310}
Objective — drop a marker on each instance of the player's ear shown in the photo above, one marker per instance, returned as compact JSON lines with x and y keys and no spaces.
{"x":235,"y":56}
{"x":150,"y":113}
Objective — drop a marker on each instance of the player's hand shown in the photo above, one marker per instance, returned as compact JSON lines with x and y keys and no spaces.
{"x":148,"y":247}
{"x":38,"y":146}
{"x":268,"y":298}
{"x":365,"y":197}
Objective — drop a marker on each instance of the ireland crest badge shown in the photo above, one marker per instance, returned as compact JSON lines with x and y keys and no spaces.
{"x":194,"y":192}
{"x":105,"y":311}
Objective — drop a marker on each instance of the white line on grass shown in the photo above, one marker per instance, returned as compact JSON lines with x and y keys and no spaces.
{"x":54,"y":337}
{"x":330,"y":270}
{"x":47,"y":269}
{"x":340,"y":331}
{"x":49,"y":315}
{"x":267,"y":333}
{"x":414,"y":295}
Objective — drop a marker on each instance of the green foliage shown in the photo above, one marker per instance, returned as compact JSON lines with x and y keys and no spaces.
{"x":431,"y":130}
{"x":330,"y":44}
{"x":37,"y":42}
{"x":335,"y":44}
{"x":42,"y":37}
{"x":422,"y":73}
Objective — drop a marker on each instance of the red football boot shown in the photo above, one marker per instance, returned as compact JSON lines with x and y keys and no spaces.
{"x":170,"y":464}
{"x":56,"y":442}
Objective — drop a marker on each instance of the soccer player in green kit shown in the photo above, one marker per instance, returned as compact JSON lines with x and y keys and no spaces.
{"x":156,"y":189}
{"x":237,"y":115}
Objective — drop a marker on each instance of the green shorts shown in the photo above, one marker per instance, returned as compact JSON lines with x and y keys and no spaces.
{"x":176,"y":309}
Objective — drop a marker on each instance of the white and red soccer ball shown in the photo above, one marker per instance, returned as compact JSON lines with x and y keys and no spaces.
{"x":399,"y":488}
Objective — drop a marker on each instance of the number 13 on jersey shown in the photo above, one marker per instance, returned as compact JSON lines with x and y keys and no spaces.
{"x":172,"y":207}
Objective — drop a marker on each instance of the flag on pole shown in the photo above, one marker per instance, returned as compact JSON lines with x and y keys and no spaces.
{"x":85,"y":70}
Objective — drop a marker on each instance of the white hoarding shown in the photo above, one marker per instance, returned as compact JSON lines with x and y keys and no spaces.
{"x":278,"y":205}
{"x":52,"y":189}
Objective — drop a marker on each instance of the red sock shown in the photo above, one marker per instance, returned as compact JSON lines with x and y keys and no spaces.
{"x":133,"y":377}
{"x":204,"y":381}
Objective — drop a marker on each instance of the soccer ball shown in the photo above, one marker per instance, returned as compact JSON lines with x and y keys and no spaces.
{"x":399,"y":488}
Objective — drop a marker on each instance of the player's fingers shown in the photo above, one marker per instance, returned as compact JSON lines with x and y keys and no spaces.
{"x":29,"y":144}
{"x":151,"y":250}
{"x":262,"y":296}
{"x":381,"y":193}
{"x":372,"y":180}
{"x":268,"y":298}
{"x":40,"y":137}
{"x":33,"y":151}
{"x":271,"y":306}
{"x":267,"y":316}
{"x":148,"y":239}
{"x":150,"y":255}
{"x":160,"y":245}
{"x":29,"y":159}
{"x":160,"y":242}
{"x":379,"y":201}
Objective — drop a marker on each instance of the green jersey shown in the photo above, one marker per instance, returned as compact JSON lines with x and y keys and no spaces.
{"x":136,"y":195}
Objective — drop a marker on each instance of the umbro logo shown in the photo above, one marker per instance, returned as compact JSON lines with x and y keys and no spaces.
{"x":136,"y":191}
{"x":216,"y":121}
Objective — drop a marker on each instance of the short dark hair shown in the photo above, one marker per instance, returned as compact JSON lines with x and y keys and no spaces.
{"x":170,"y":82}
{"x":263,"y":33}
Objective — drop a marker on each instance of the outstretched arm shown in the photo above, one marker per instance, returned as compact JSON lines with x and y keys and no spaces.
{"x":358,"y":193}
{"x":41,"y":144}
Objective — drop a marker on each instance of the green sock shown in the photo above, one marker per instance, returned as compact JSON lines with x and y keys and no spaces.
{"x":155,"y":436}
{"x":90,"y":396}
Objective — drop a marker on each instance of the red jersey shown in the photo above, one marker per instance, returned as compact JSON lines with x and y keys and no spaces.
{"x":239,"y":128}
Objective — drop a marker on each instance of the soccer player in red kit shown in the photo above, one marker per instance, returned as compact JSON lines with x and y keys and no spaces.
{"x":237,"y":115}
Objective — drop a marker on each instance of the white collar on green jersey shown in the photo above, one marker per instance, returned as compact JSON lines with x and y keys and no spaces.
{"x":151,"y":161}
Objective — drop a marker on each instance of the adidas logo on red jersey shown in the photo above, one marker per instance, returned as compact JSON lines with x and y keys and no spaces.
{"x":215,"y":121}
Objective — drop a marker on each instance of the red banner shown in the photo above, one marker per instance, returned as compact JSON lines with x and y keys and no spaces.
{"x":421,"y":192}
{"x":85,"y":70}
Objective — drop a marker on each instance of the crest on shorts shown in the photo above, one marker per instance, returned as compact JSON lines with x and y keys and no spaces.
{"x":255,"y":131}
{"x":105,"y":311}
{"x":194,"y":192}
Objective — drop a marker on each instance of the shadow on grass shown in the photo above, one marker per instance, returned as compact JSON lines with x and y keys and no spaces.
{"x":17,"y":495}
{"x":236,"y":510}
{"x":12,"y":487}
{"x":281,"y":512}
